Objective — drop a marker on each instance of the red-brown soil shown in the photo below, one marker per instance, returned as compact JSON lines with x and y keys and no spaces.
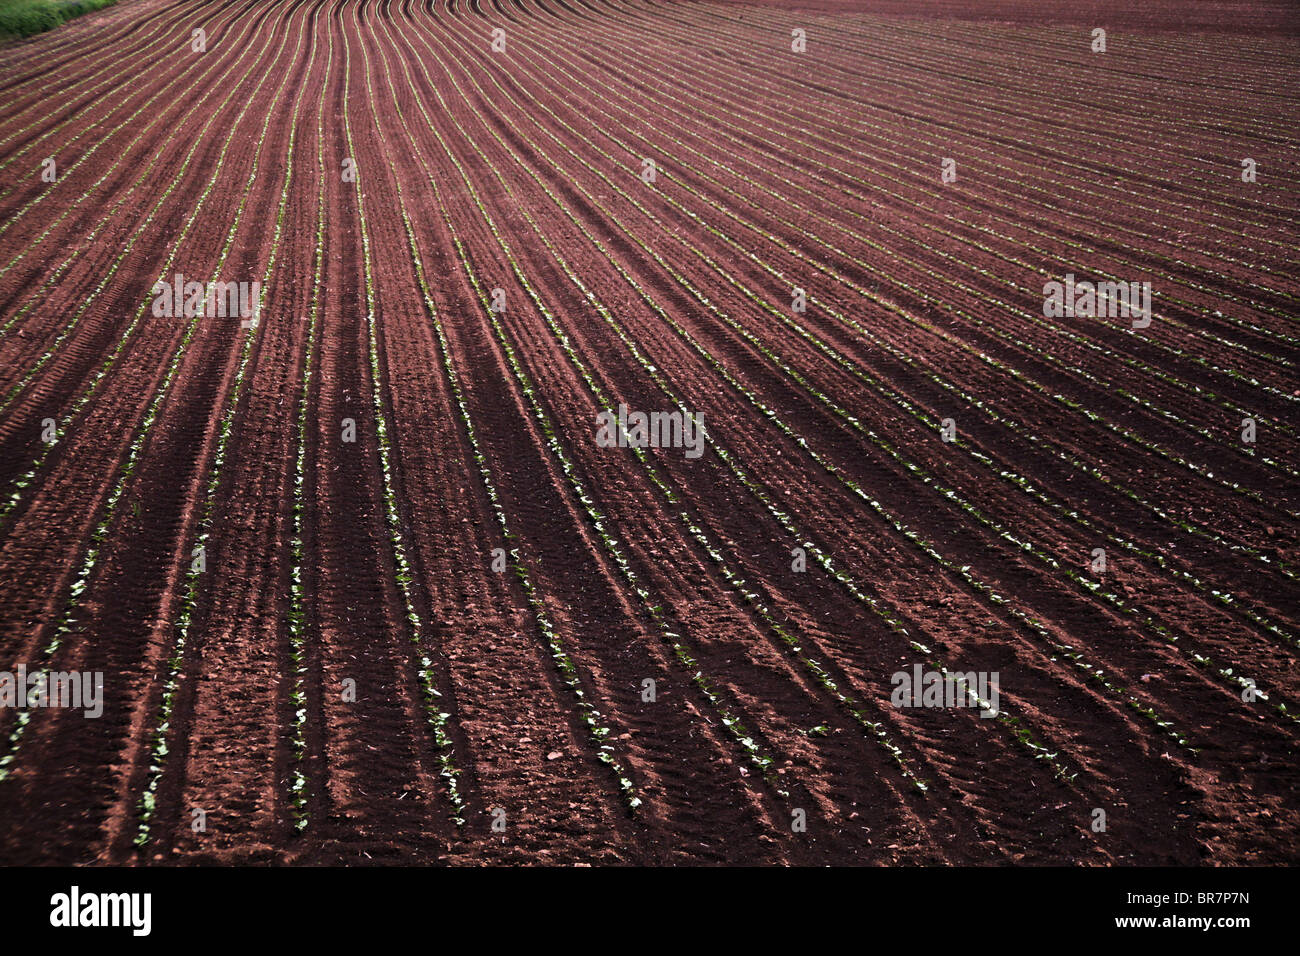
{"x":433,"y":643}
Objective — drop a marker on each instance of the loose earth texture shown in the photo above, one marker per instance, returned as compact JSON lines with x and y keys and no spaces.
{"x":379,"y":563}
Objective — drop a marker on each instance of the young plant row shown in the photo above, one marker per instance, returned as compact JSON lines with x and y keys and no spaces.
{"x":108,"y":219}
{"x":185,"y":618}
{"x":69,"y":617}
{"x":818,"y":671}
{"x":1001,"y":125}
{"x":439,"y":719}
{"x":886,"y":133}
{"x":297,"y":617}
{"x":572,"y":79}
{"x":69,"y":417}
{"x":682,"y":651}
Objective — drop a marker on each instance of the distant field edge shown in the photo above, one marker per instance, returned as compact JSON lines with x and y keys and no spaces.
{"x":24,"y":18}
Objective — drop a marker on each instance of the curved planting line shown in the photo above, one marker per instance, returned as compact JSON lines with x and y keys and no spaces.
{"x":1196,"y":391}
{"x":77,"y":407}
{"x":68,"y":171}
{"x":1006,"y":473}
{"x":568,"y":670}
{"x":1254,"y":266}
{"x":1022,"y":735}
{"x":109,"y":218}
{"x":820,"y":675}
{"x":1066,"y":265}
{"x":1222,"y":597}
{"x":964,"y":572}
{"x":124,"y":62}
{"x":909,"y":173}
{"x":68,"y":617}
{"x":1062,"y":43}
{"x":1166,"y":318}
{"x":682,"y":651}
{"x":998,"y":132}
{"x":1175,"y":44}
{"x":1053,"y":450}
{"x":297,"y":620}
{"x":438,"y":718}
{"x":207,"y":505}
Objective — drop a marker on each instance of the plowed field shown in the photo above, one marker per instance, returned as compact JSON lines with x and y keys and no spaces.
{"x":360,"y":581}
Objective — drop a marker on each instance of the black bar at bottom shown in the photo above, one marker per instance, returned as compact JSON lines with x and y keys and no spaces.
{"x":670,"y":906}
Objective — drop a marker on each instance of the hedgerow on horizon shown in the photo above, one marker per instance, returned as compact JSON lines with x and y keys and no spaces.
{"x":25,"y":18}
